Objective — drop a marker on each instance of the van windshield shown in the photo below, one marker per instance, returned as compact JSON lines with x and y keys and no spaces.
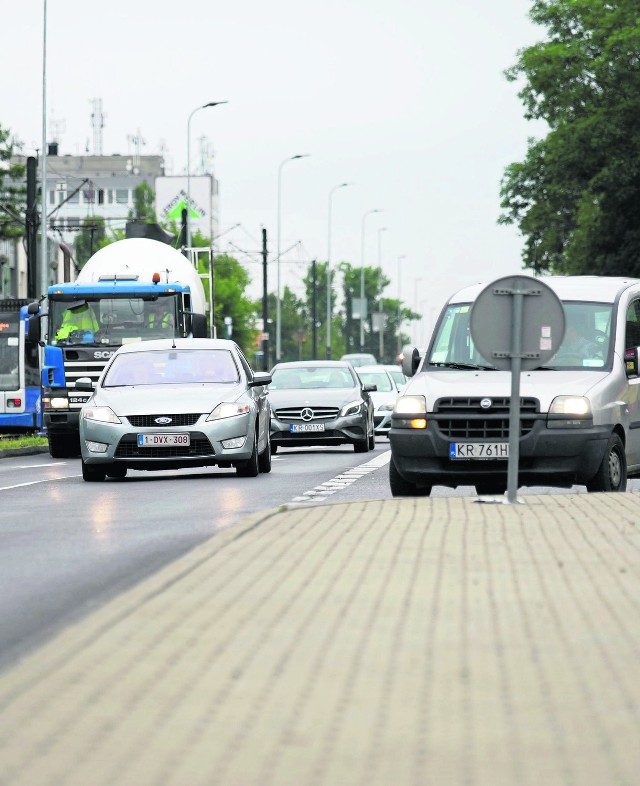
{"x":586,"y":342}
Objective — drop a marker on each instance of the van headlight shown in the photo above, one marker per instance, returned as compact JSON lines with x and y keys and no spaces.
{"x":410,"y":405}
{"x":570,"y":411}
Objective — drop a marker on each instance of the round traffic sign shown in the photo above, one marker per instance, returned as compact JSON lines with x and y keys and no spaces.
{"x":493,"y":326}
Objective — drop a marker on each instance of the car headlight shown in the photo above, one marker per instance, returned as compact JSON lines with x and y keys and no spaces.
{"x":352,"y":408}
{"x":228,"y":410}
{"x":410,"y":405}
{"x":101,"y":414}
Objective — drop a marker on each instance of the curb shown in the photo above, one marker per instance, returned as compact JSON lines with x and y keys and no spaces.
{"x":27,"y":451}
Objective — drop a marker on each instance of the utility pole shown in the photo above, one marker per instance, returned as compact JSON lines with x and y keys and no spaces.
{"x":314,"y":311}
{"x":265,"y":304}
{"x":32,"y":230}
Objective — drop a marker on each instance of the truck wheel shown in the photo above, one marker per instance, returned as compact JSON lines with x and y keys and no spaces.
{"x":403,"y":488}
{"x":612,"y":472}
{"x":92,"y":474}
{"x":63,"y":445}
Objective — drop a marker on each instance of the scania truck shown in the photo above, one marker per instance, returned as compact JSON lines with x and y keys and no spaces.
{"x":132,"y":290}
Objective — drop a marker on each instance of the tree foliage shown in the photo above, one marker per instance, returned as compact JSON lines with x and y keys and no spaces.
{"x":12,"y":189}
{"x":576,"y":196}
{"x":144,"y":198}
{"x":90,"y":238}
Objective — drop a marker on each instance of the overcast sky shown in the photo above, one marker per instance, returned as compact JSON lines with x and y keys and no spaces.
{"x":407,"y":100}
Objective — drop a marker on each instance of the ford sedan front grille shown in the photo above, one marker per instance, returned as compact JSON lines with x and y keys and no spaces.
{"x":151,"y":421}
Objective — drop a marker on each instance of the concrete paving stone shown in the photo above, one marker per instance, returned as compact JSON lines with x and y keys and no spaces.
{"x":407,"y":642}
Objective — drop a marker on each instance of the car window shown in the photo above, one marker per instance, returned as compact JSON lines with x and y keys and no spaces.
{"x":311,"y":377}
{"x":398,"y":377}
{"x":172,"y":367}
{"x":380,"y":379}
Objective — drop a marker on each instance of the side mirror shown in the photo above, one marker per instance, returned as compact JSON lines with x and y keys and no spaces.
{"x":631,"y":361}
{"x":33,"y":328}
{"x":260,"y":379}
{"x":33,"y":308}
{"x":369,"y":388}
{"x":84,"y":383}
{"x":410,"y":360}
{"x":199,"y":326}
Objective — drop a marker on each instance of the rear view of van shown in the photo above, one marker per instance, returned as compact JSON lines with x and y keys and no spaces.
{"x":580,"y":412}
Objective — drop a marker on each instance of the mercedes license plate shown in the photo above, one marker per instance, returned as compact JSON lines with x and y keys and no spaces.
{"x":479,"y":450}
{"x":163,"y":440}
{"x":296,"y":428}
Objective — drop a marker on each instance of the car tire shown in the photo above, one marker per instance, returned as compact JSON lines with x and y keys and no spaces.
{"x":92,"y":474}
{"x":63,"y":445}
{"x":361,"y":445}
{"x":372,"y":440}
{"x":274,"y":449}
{"x":117,"y":472}
{"x":264,"y":459}
{"x":612,"y":472}
{"x":250,"y":468}
{"x":403,"y":488}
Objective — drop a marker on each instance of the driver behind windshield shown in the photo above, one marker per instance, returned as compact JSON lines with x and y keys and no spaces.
{"x":77,"y":318}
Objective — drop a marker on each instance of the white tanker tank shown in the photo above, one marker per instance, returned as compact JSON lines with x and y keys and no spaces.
{"x":142,"y":257}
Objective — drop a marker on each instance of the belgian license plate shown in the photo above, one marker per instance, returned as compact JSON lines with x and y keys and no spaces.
{"x":296,"y":428}
{"x":479,"y":450}
{"x":163,"y":440}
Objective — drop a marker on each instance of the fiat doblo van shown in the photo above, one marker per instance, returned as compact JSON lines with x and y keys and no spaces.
{"x":579,"y":413}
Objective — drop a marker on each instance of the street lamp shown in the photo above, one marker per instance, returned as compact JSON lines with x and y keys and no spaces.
{"x":364,"y":218}
{"x":416,"y":290}
{"x":197,"y":109}
{"x":381,"y":317}
{"x":278,"y":305}
{"x":329,"y":309}
{"x":400,"y":258}
{"x":43,"y":229}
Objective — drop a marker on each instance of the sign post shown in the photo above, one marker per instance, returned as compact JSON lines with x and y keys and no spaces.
{"x":517,"y":323}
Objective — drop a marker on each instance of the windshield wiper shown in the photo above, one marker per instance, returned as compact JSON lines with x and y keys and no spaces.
{"x":463,"y":366}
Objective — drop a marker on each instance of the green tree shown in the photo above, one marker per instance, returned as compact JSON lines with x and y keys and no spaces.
{"x":375,"y":282}
{"x":576,"y":196}
{"x":12,"y":189}
{"x":143,"y":203}
{"x":90,"y":238}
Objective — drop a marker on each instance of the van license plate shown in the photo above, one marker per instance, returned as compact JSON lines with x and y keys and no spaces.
{"x":479,"y":450}
{"x":162,"y":440}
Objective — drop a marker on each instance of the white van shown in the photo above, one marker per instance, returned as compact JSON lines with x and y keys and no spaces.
{"x":580,"y":412}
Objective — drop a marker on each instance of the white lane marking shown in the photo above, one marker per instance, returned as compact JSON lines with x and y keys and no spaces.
{"x":50,"y":464}
{"x":344,"y":479}
{"x":34,"y":482}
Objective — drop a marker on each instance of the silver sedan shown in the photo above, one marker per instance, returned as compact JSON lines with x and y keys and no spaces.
{"x":169,"y":404}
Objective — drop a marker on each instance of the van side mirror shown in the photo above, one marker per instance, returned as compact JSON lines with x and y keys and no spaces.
{"x":199,"y":326}
{"x":410,"y":360}
{"x":84,"y":383}
{"x":33,"y":308}
{"x":631,"y":361}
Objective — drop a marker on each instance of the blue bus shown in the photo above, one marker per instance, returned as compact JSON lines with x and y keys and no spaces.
{"x":20,"y":383}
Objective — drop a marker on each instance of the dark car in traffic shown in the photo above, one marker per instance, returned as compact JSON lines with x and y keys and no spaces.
{"x":320,"y":402}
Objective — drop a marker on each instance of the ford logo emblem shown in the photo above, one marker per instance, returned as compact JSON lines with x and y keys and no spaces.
{"x":486,"y":403}
{"x":307,"y":413}
{"x":162,"y":421}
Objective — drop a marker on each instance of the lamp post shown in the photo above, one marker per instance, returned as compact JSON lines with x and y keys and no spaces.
{"x":329,"y":288}
{"x":44,"y":280}
{"x":364,"y":218}
{"x":197,"y":109}
{"x":416,"y":290}
{"x":380,"y":308}
{"x":278,"y":304}
{"x":400,"y":258}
